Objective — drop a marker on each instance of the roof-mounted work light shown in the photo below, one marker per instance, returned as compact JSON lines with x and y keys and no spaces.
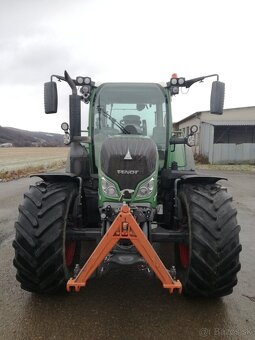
{"x":175,"y":83}
{"x":83,"y":81}
{"x":85,"y":89}
{"x":181,"y":81}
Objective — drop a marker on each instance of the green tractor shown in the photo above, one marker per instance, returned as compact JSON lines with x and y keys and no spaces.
{"x":128,"y":157}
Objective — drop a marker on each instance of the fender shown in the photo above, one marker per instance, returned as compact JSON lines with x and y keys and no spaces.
{"x":57,"y":177}
{"x":204,"y":179}
{"x":170,"y":177}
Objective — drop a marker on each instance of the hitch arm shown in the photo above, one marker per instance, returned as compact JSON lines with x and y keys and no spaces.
{"x":124,"y":227}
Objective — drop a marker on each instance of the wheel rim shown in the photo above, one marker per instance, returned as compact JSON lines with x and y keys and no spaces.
{"x":69,"y":252}
{"x":184,"y":255}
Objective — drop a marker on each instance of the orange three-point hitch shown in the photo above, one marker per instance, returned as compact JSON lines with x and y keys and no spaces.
{"x":124,"y":227}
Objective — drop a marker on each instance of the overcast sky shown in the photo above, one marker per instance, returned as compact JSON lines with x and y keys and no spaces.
{"x":115,"y":40}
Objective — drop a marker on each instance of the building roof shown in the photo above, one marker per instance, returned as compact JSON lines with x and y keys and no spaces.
{"x":198,"y":114}
{"x":230,"y":122}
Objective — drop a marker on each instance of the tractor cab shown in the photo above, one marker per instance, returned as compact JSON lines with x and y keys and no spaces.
{"x":130,"y":109}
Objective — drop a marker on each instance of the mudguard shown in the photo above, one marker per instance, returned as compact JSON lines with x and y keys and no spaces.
{"x":169,"y":177}
{"x":57,"y":177}
{"x":201,"y":179}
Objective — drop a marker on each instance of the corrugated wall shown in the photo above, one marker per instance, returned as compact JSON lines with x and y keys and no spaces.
{"x":233,"y":153}
{"x":206,"y":139}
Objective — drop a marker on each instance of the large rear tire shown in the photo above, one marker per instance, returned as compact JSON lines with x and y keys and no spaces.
{"x":208,"y":264}
{"x":43,"y":256}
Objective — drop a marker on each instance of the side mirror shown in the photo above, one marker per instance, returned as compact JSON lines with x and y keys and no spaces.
{"x":50,"y":97}
{"x":217,"y":97}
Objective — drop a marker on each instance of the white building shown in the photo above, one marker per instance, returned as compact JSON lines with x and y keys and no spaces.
{"x":6,"y":145}
{"x":227,"y":138}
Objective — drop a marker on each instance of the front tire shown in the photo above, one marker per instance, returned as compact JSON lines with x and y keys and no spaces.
{"x":208,"y":264}
{"x":43,"y":256}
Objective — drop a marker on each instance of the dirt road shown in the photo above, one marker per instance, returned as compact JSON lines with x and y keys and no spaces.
{"x":124,"y":304}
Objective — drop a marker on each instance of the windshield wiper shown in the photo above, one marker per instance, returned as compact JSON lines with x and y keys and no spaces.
{"x":113,"y":120}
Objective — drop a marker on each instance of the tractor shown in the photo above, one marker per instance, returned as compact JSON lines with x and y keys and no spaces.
{"x":130,"y":182}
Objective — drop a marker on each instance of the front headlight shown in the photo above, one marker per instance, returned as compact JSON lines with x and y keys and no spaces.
{"x":109,"y":188}
{"x":146,"y":188}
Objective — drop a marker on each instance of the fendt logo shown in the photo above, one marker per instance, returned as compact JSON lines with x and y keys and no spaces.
{"x":128,"y":156}
{"x":127,"y":172}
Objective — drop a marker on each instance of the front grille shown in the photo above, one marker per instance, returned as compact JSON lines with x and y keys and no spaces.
{"x":132,"y":170}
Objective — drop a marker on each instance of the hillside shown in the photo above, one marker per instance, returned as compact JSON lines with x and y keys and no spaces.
{"x":18,"y":137}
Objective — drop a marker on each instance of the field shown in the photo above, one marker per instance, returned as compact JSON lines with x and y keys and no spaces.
{"x":19,"y":162}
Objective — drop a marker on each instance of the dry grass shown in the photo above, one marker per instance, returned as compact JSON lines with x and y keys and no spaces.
{"x":20,"y":162}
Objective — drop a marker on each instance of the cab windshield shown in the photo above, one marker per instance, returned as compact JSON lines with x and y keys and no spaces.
{"x":131,"y":108}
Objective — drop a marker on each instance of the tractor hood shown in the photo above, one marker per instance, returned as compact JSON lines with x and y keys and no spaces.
{"x":128,"y":160}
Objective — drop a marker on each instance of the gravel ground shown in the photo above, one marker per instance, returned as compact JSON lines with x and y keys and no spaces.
{"x":125,"y":304}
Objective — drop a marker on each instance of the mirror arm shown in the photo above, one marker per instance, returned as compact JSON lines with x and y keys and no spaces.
{"x":66,"y":78}
{"x":190,"y":82}
{"x":59,"y":78}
